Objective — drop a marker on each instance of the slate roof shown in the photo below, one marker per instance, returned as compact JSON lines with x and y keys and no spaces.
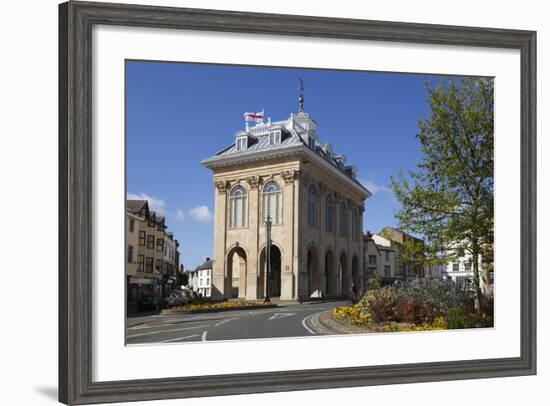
{"x":135,"y":206}
{"x":261,"y":143}
{"x":205,"y":265}
{"x":258,"y":141}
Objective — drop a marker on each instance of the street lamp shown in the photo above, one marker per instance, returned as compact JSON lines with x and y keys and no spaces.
{"x":268,"y":257}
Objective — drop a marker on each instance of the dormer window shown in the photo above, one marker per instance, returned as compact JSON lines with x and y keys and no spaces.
{"x":275,"y":137}
{"x":311,"y":142}
{"x":241,"y":143}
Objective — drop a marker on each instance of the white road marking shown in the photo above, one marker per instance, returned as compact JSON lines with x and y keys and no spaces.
{"x":219,"y":323}
{"x":165,"y":331}
{"x":203,"y":338}
{"x":305,"y":325}
{"x":281,"y":315}
{"x":179,"y":338}
{"x":316,"y":324}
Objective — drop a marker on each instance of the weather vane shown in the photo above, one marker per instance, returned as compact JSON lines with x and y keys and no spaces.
{"x":301,"y":89}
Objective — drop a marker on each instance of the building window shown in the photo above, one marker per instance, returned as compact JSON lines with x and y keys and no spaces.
{"x":354,"y":224}
{"x":275,"y":137}
{"x":158,"y":265}
{"x":272,"y":201}
{"x":387,"y":271}
{"x":372,"y":259}
{"x":311,"y":143}
{"x":160,"y":244}
{"x":468,"y":266}
{"x":237,"y":207}
{"x":132,"y":225}
{"x":142,"y":238}
{"x":149,"y":265}
{"x":151,"y":241}
{"x":329,"y":214}
{"x":130,"y":254}
{"x":241,"y":144}
{"x":462,"y":281}
{"x":141,"y":260}
{"x":343,"y":221}
{"x":387,"y":256}
{"x":160,"y":227}
{"x":456,"y":266}
{"x":312,"y":206}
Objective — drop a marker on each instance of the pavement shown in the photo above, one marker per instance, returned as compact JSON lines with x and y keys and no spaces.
{"x":287,"y":320}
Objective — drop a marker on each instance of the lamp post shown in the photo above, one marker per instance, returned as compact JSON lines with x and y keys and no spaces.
{"x":268,"y":257}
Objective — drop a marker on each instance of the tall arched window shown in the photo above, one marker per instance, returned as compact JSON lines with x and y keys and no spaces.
{"x":272,"y":202}
{"x":329,"y":214}
{"x":312,"y":206}
{"x":343,"y":220}
{"x":354,"y":224}
{"x":237,"y":207}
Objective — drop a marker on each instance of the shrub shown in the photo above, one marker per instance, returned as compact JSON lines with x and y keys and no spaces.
{"x":380,"y":304}
{"x":413,"y":310}
{"x":457,"y":318}
{"x":443,"y":294}
{"x":409,"y":310}
{"x":355,"y":296}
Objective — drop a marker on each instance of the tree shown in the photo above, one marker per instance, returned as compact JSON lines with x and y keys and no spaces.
{"x":449,"y":200}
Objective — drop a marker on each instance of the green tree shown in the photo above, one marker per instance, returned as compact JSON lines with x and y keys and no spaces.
{"x":449,"y":199}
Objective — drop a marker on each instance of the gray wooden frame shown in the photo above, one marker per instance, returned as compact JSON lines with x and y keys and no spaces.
{"x":75,"y":179}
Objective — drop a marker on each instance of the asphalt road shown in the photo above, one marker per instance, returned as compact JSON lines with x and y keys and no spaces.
{"x":294,"y":320}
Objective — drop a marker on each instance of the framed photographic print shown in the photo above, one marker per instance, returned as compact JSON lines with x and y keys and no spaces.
{"x":259,"y":202}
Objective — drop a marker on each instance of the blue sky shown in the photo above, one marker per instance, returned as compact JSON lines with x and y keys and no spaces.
{"x":179,"y":114}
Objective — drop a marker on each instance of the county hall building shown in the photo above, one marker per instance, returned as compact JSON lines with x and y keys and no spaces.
{"x":281,"y":169}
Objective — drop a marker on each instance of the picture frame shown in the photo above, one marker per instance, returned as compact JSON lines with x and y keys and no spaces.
{"x":76,"y":20}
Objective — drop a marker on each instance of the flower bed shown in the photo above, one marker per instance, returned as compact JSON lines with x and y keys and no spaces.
{"x":226,"y":305}
{"x":419,"y":305}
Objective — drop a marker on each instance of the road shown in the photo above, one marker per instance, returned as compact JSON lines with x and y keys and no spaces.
{"x":293,"y":320}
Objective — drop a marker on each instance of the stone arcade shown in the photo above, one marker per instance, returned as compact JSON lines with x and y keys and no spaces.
{"x":280,"y":169}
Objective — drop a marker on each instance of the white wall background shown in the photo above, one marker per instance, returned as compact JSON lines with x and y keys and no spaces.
{"x":28,"y":200}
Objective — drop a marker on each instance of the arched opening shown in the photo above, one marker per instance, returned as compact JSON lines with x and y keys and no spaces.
{"x":235,"y":281}
{"x":274,"y":283}
{"x":332,"y":275}
{"x":342,"y":270}
{"x":355,"y":276}
{"x":313,"y":273}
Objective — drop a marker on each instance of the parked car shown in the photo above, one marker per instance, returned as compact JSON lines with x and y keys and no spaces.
{"x":178,"y":298}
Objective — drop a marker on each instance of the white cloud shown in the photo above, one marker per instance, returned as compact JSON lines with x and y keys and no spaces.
{"x":202,"y":214}
{"x":155,"y":204}
{"x":180,"y":215}
{"x":374,"y":188}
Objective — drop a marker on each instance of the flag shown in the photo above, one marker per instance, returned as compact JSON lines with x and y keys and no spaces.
{"x":257,"y":117}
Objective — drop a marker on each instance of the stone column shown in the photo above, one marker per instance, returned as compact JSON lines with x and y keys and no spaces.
{"x":287,"y":261}
{"x":360,"y":255}
{"x":219,"y":268}
{"x":300,"y":221}
{"x":346,"y":278}
{"x":254,"y":223}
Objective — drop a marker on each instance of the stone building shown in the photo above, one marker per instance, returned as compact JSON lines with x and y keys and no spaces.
{"x":380,"y":257}
{"x":151,"y":253}
{"x":200,"y":279}
{"x":281,"y":170}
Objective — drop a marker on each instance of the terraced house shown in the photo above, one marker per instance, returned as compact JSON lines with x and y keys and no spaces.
{"x":281,"y":170}
{"x":148,"y":265}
